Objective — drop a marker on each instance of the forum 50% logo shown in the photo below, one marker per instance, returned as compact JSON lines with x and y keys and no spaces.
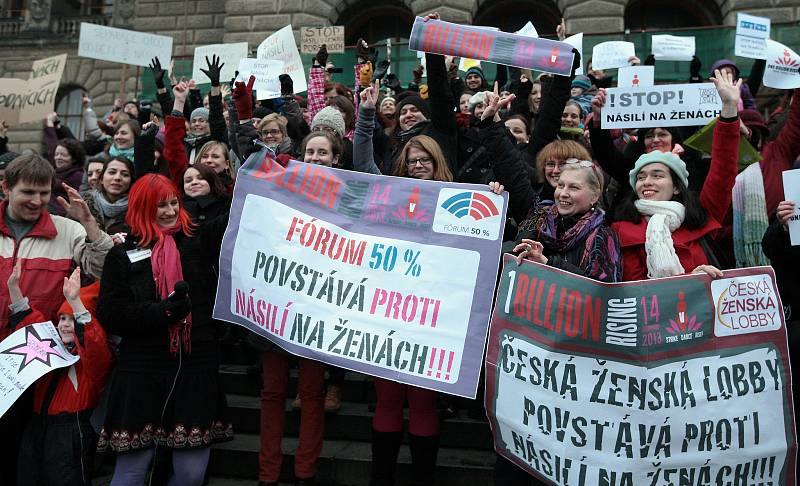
{"x":385,"y":257}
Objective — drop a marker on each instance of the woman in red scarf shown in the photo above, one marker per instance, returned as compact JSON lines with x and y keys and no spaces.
{"x":157,"y":294}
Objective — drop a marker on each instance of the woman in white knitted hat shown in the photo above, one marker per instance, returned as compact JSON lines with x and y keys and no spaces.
{"x":663,"y":226}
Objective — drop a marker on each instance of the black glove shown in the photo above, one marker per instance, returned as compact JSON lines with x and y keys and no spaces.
{"x":287,"y":85}
{"x":576,"y":61}
{"x":381,"y":70}
{"x":214,"y":69}
{"x":694,"y":70}
{"x":150,"y":131}
{"x":175,"y":308}
{"x":392,"y":82}
{"x":650,"y":60}
{"x":322,"y":55}
{"x":158,"y":72}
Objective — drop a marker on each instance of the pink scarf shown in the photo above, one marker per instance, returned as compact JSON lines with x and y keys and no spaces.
{"x":167,"y":271}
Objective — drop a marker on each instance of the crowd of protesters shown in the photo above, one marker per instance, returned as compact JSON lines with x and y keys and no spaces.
{"x":115,"y":236}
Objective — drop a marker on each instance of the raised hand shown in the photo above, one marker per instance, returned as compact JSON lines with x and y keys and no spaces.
{"x":729,"y":92}
{"x":180,"y":91}
{"x":322,"y":55}
{"x":75,"y":207}
{"x":369,"y":95}
{"x":214,"y":69}
{"x":561,"y":30}
{"x":381,"y":70}
{"x":13,"y":281}
{"x":431,"y":16}
{"x":72,"y":286}
{"x":158,"y":72}
{"x":598,"y":102}
{"x":243,"y":98}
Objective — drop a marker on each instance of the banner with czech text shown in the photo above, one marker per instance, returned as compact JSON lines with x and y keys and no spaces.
{"x":392,"y":277}
{"x":682,"y":380}
{"x":473,"y":42}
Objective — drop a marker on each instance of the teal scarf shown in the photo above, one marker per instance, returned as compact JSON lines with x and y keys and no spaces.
{"x":117,"y":152}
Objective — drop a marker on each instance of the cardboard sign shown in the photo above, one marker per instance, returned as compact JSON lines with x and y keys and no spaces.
{"x":782,"y":67}
{"x":636,"y":76}
{"x":751,"y":36}
{"x":230,"y":54}
{"x":791,"y":190}
{"x":267,"y":84}
{"x":439,"y":37}
{"x":281,"y":46}
{"x":671,"y":105}
{"x":356,"y":270}
{"x":612,"y":54}
{"x":673,"y":48}
{"x":123,"y":46}
{"x":27,"y":355}
{"x":31,"y":100}
{"x":311,"y":38}
{"x":641,"y":383}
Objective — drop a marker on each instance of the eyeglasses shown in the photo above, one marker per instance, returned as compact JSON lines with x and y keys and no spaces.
{"x":326,"y":128}
{"x":552,"y":164}
{"x":271,"y":133}
{"x":423,"y":161}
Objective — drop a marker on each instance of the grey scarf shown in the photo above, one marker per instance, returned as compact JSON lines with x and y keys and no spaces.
{"x":108,"y":209}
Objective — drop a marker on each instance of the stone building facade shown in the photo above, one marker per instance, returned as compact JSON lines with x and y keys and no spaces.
{"x":34,"y":29}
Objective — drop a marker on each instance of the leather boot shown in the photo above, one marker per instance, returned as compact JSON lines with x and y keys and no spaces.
{"x":423,"y":459}
{"x":385,"y":447}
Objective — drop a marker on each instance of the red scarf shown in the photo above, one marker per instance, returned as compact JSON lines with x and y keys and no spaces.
{"x":167,"y":271}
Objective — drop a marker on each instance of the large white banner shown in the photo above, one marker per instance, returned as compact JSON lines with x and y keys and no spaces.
{"x":661,"y":106}
{"x":123,"y":46}
{"x":281,"y":46}
{"x":25,"y":356}
{"x":230,"y":54}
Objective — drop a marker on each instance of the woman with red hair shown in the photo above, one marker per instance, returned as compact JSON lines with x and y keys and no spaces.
{"x":157,"y":294}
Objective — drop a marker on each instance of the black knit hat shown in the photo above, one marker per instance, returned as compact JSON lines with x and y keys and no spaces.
{"x":6,"y":159}
{"x":414,"y":99}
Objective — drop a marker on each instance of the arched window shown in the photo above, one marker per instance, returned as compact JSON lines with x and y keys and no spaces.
{"x":511,"y":15}
{"x":376,"y":20}
{"x":70,"y":109}
{"x":669,"y":14}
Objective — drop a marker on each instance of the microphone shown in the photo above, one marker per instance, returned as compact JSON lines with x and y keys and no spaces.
{"x":180,"y":292}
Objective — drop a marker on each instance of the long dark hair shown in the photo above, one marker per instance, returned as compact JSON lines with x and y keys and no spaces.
{"x":207,"y":174}
{"x":696,"y":215}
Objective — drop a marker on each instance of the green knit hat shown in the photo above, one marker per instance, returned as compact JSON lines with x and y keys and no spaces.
{"x":667,"y":158}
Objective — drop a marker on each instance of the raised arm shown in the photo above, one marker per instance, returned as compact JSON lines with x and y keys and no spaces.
{"x":363,"y":151}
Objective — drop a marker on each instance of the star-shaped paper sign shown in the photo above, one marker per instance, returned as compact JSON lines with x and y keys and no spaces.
{"x":34,"y":349}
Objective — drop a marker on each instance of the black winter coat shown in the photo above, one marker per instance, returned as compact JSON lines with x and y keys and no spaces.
{"x":785,"y":260}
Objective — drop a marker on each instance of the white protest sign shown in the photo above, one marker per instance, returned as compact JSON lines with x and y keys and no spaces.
{"x":267,"y":84}
{"x":230,"y":54}
{"x":25,"y":356}
{"x":751,"y":36}
{"x":782,"y":67}
{"x":311,"y":38}
{"x":465,"y":63}
{"x":281,"y":46}
{"x":123,"y":46}
{"x":636,"y":76}
{"x":528,"y":30}
{"x":576,"y":41}
{"x":673,"y":48}
{"x":791,"y":191}
{"x":613,"y":54}
{"x":663,"y":106}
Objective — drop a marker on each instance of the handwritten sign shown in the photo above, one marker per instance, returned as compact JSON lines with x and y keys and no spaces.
{"x":783,"y":67}
{"x":25,"y":356}
{"x":267,"y":84}
{"x":230,"y":54}
{"x":123,"y":46}
{"x":281,"y":46}
{"x":663,"y":106}
{"x":673,"y":48}
{"x":31,"y":100}
{"x":482,"y":44}
{"x":636,"y":76}
{"x":791,"y":190}
{"x":311,"y":38}
{"x":641,"y":382}
{"x":356,"y":270}
{"x":612,"y":54}
{"x":752,"y":34}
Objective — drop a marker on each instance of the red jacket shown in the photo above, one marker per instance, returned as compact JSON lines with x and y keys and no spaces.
{"x":780,"y":154}
{"x":89,"y":373}
{"x":48,"y":253}
{"x":174,"y":149}
{"x":715,"y":197}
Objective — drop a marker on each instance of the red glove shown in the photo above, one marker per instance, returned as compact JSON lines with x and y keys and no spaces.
{"x":243,"y":98}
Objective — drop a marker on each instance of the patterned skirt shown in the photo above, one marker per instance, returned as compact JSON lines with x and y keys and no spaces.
{"x":147,"y":408}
